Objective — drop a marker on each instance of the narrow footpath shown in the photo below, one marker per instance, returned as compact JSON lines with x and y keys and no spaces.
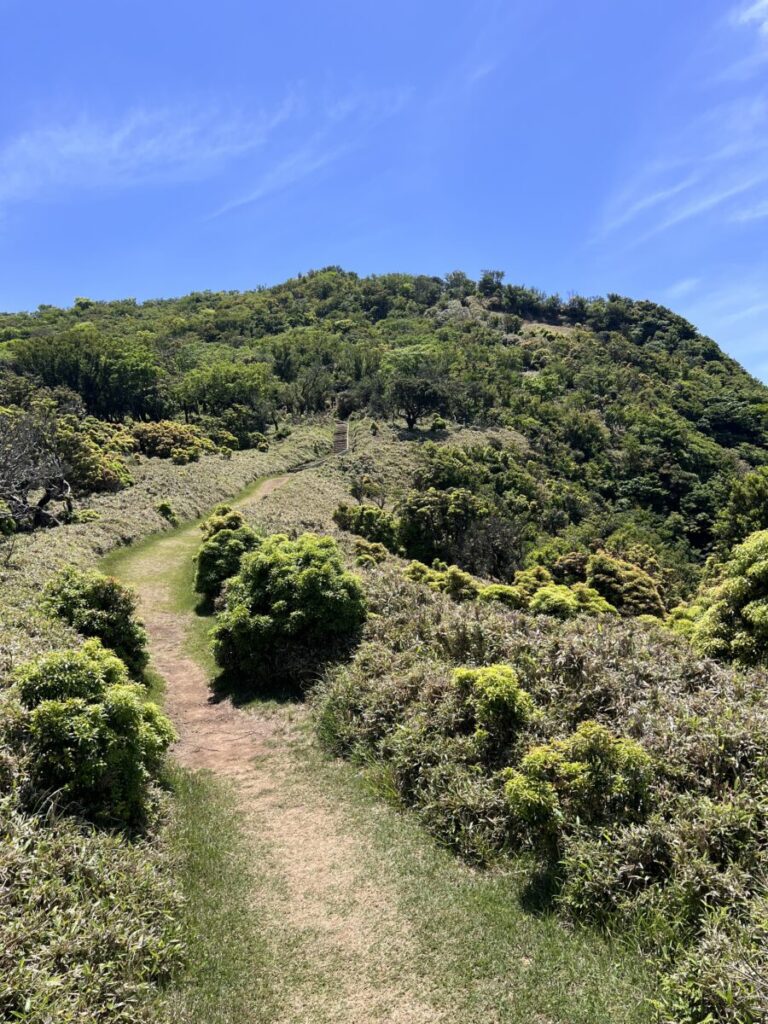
{"x":368,"y":920}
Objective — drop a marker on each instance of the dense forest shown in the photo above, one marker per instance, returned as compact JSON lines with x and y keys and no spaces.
{"x":531,"y":590}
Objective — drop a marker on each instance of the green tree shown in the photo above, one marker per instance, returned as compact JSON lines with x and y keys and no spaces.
{"x":433,"y":523}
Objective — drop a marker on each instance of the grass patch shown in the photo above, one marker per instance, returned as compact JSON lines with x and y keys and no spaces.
{"x":229,"y":973}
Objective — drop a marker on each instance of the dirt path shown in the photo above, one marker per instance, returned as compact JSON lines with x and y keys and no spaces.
{"x":357,"y":945}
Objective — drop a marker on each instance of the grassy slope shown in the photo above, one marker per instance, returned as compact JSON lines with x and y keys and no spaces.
{"x":482,"y":957}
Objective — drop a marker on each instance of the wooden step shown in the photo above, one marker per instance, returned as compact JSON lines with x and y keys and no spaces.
{"x":340,"y":438}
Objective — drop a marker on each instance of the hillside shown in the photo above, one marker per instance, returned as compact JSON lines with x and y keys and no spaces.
{"x":629,"y":420}
{"x":520,"y":593}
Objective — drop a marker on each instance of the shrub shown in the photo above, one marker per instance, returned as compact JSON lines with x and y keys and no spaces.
{"x":590,"y":602}
{"x":566,"y":602}
{"x":90,"y":733}
{"x":626,"y":586}
{"x":94,"y":453}
{"x":167,"y":439}
{"x":100,"y":606}
{"x":591,"y":777}
{"x":367,"y":553}
{"x":434,"y":523}
{"x":500,"y":706}
{"x":509,"y":596}
{"x":220,"y":556}
{"x":730,"y":619}
{"x":223,"y":517}
{"x":528,"y":581}
{"x":167,"y":511}
{"x":556,"y":600}
{"x":369,"y":521}
{"x":746,"y":511}
{"x":290,"y":596}
{"x":444,"y":579}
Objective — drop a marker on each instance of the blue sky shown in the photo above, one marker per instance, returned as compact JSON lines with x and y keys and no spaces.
{"x":151,"y":149}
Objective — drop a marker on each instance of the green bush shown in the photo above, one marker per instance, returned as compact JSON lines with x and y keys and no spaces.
{"x":627,"y":587}
{"x":444,"y":579}
{"x":369,"y":521}
{"x":290,"y":597}
{"x":730,"y":619}
{"x":93,"y":453}
{"x":566,"y":602}
{"x":167,"y":439}
{"x":100,"y":606}
{"x":509,"y":596}
{"x":500,"y":707}
{"x":220,"y":556}
{"x":167,"y":511}
{"x":434,"y":523}
{"x":367,"y":553}
{"x":89,"y":732}
{"x":556,"y":600}
{"x":223,"y":517}
{"x":592,"y":777}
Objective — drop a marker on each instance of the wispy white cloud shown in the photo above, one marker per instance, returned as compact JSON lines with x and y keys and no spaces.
{"x":733,"y":310}
{"x":480,"y":71}
{"x":286,"y":172}
{"x":715,"y":160}
{"x":757,"y":211}
{"x":679,"y":289}
{"x":712,"y":167}
{"x":755,"y":13}
{"x":340,"y":126}
{"x":142,"y":147}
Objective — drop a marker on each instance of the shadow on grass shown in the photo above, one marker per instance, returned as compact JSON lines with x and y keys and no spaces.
{"x":284,"y":678}
{"x":420,"y":434}
{"x":205,"y":607}
{"x":541,"y":889}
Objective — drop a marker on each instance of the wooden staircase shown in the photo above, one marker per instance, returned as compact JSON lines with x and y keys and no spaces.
{"x":341,"y":438}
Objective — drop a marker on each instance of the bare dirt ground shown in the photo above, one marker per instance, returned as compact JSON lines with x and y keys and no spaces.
{"x":357,"y":943}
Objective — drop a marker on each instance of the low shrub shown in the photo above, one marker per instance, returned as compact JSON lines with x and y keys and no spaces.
{"x":91,"y":920}
{"x":533,"y":590}
{"x":291,"y":597}
{"x":220,"y":556}
{"x":630,"y":589}
{"x":94,"y":453}
{"x":367,"y":553}
{"x":167,"y":511}
{"x":638,"y":772}
{"x":369,"y":521}
{"x":509,"y":596}
{"x":168,"y":439}
{"x":499,"y":706}
{"x":223,"y":517}
{"x":100,"y":606}
{"x":89,"y":733}
{"x":592,"y":777}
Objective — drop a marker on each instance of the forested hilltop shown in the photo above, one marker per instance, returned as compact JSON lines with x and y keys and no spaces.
{"x":631,"y":424}
{"x":505,"y":554}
